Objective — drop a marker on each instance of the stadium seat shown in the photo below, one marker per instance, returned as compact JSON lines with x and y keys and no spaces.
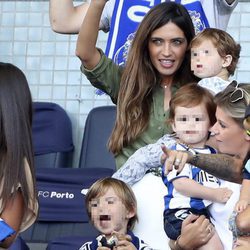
{"x":52,"y":136}
{"x":19,"y":244}
{"x":68,"y":243}
{"x":94,"y":152}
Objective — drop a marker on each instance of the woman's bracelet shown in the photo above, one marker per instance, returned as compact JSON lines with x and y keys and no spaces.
{"x":194,"y":157}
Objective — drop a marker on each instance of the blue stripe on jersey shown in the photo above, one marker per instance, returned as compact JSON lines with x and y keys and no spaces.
{"x":173,"y":199}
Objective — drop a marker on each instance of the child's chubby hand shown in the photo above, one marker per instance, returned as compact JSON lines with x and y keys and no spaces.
{"x":124,"y":242}
{"x":223,"y":194}
{"x":241,"y":205}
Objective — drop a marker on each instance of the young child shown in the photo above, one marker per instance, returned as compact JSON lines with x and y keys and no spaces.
{"x":214,"y":56}
{"x":192,"y":113}
{"x":111,"y":205}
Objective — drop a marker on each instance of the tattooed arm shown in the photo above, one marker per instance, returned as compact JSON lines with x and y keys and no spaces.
{"x":222,"y":166}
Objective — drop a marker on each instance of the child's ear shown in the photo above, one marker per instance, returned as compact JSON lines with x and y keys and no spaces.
{"x":131,"y":213}
{"x":173,"y":126}
{"x":171,"y":123}
{"x":227,"y":61}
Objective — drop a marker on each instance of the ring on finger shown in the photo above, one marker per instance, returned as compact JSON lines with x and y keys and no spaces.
{"x":177,"y":161}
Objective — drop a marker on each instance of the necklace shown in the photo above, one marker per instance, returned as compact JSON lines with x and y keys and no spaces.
{"x":165,"y":85}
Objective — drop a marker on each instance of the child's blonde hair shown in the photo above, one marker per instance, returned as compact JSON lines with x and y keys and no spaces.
{"x":123,"y":191}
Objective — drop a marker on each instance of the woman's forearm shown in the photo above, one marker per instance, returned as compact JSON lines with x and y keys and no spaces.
{"x":86,"y":43}
{"x":65,"y":17}
{"x":220,"y":165}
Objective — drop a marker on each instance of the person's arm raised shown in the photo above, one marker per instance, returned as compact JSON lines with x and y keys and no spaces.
{"x":86,"y":43}
{"x":66,"y":18}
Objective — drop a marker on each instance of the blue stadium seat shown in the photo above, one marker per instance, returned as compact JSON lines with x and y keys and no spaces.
{"x":52,"y":136}
{"x":98,"y":127}
{"x":19,"y":244}
{"x":68,"y":243}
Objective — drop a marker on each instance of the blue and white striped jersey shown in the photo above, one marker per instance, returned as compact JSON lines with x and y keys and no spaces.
{"x":174,"y":199}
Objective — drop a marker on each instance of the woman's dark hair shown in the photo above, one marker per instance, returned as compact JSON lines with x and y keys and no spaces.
{"x":140,"y":76}
{"x":15,"y":132}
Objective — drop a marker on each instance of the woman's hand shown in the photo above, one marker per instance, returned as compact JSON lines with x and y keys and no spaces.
{"x":195,"y":232}
{"x":174,"y":159}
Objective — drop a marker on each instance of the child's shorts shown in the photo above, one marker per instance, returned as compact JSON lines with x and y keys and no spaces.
{"x":173,"y":219}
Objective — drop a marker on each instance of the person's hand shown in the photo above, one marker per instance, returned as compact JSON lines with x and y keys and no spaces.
{"x":242,"y":243}
{"x":124,"y":242}
{"x":240,"y":206}
{"x":103,"y":248}
{"x":222,"y":195}
{"x":195,"y":232}
{"x":173,"y":159}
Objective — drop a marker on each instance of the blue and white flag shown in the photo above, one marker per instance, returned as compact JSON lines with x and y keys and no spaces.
{"x":128,"y":14}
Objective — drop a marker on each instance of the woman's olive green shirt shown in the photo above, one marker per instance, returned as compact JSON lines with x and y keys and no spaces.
{"x":107,"y":76}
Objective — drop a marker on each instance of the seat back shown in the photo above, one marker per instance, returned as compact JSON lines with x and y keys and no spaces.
{"x":68,"y":243}
{"x":98,"y":128}
{"x":62,"y":210}
{"x":52,"y":136}
{"x":19,"y":244}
